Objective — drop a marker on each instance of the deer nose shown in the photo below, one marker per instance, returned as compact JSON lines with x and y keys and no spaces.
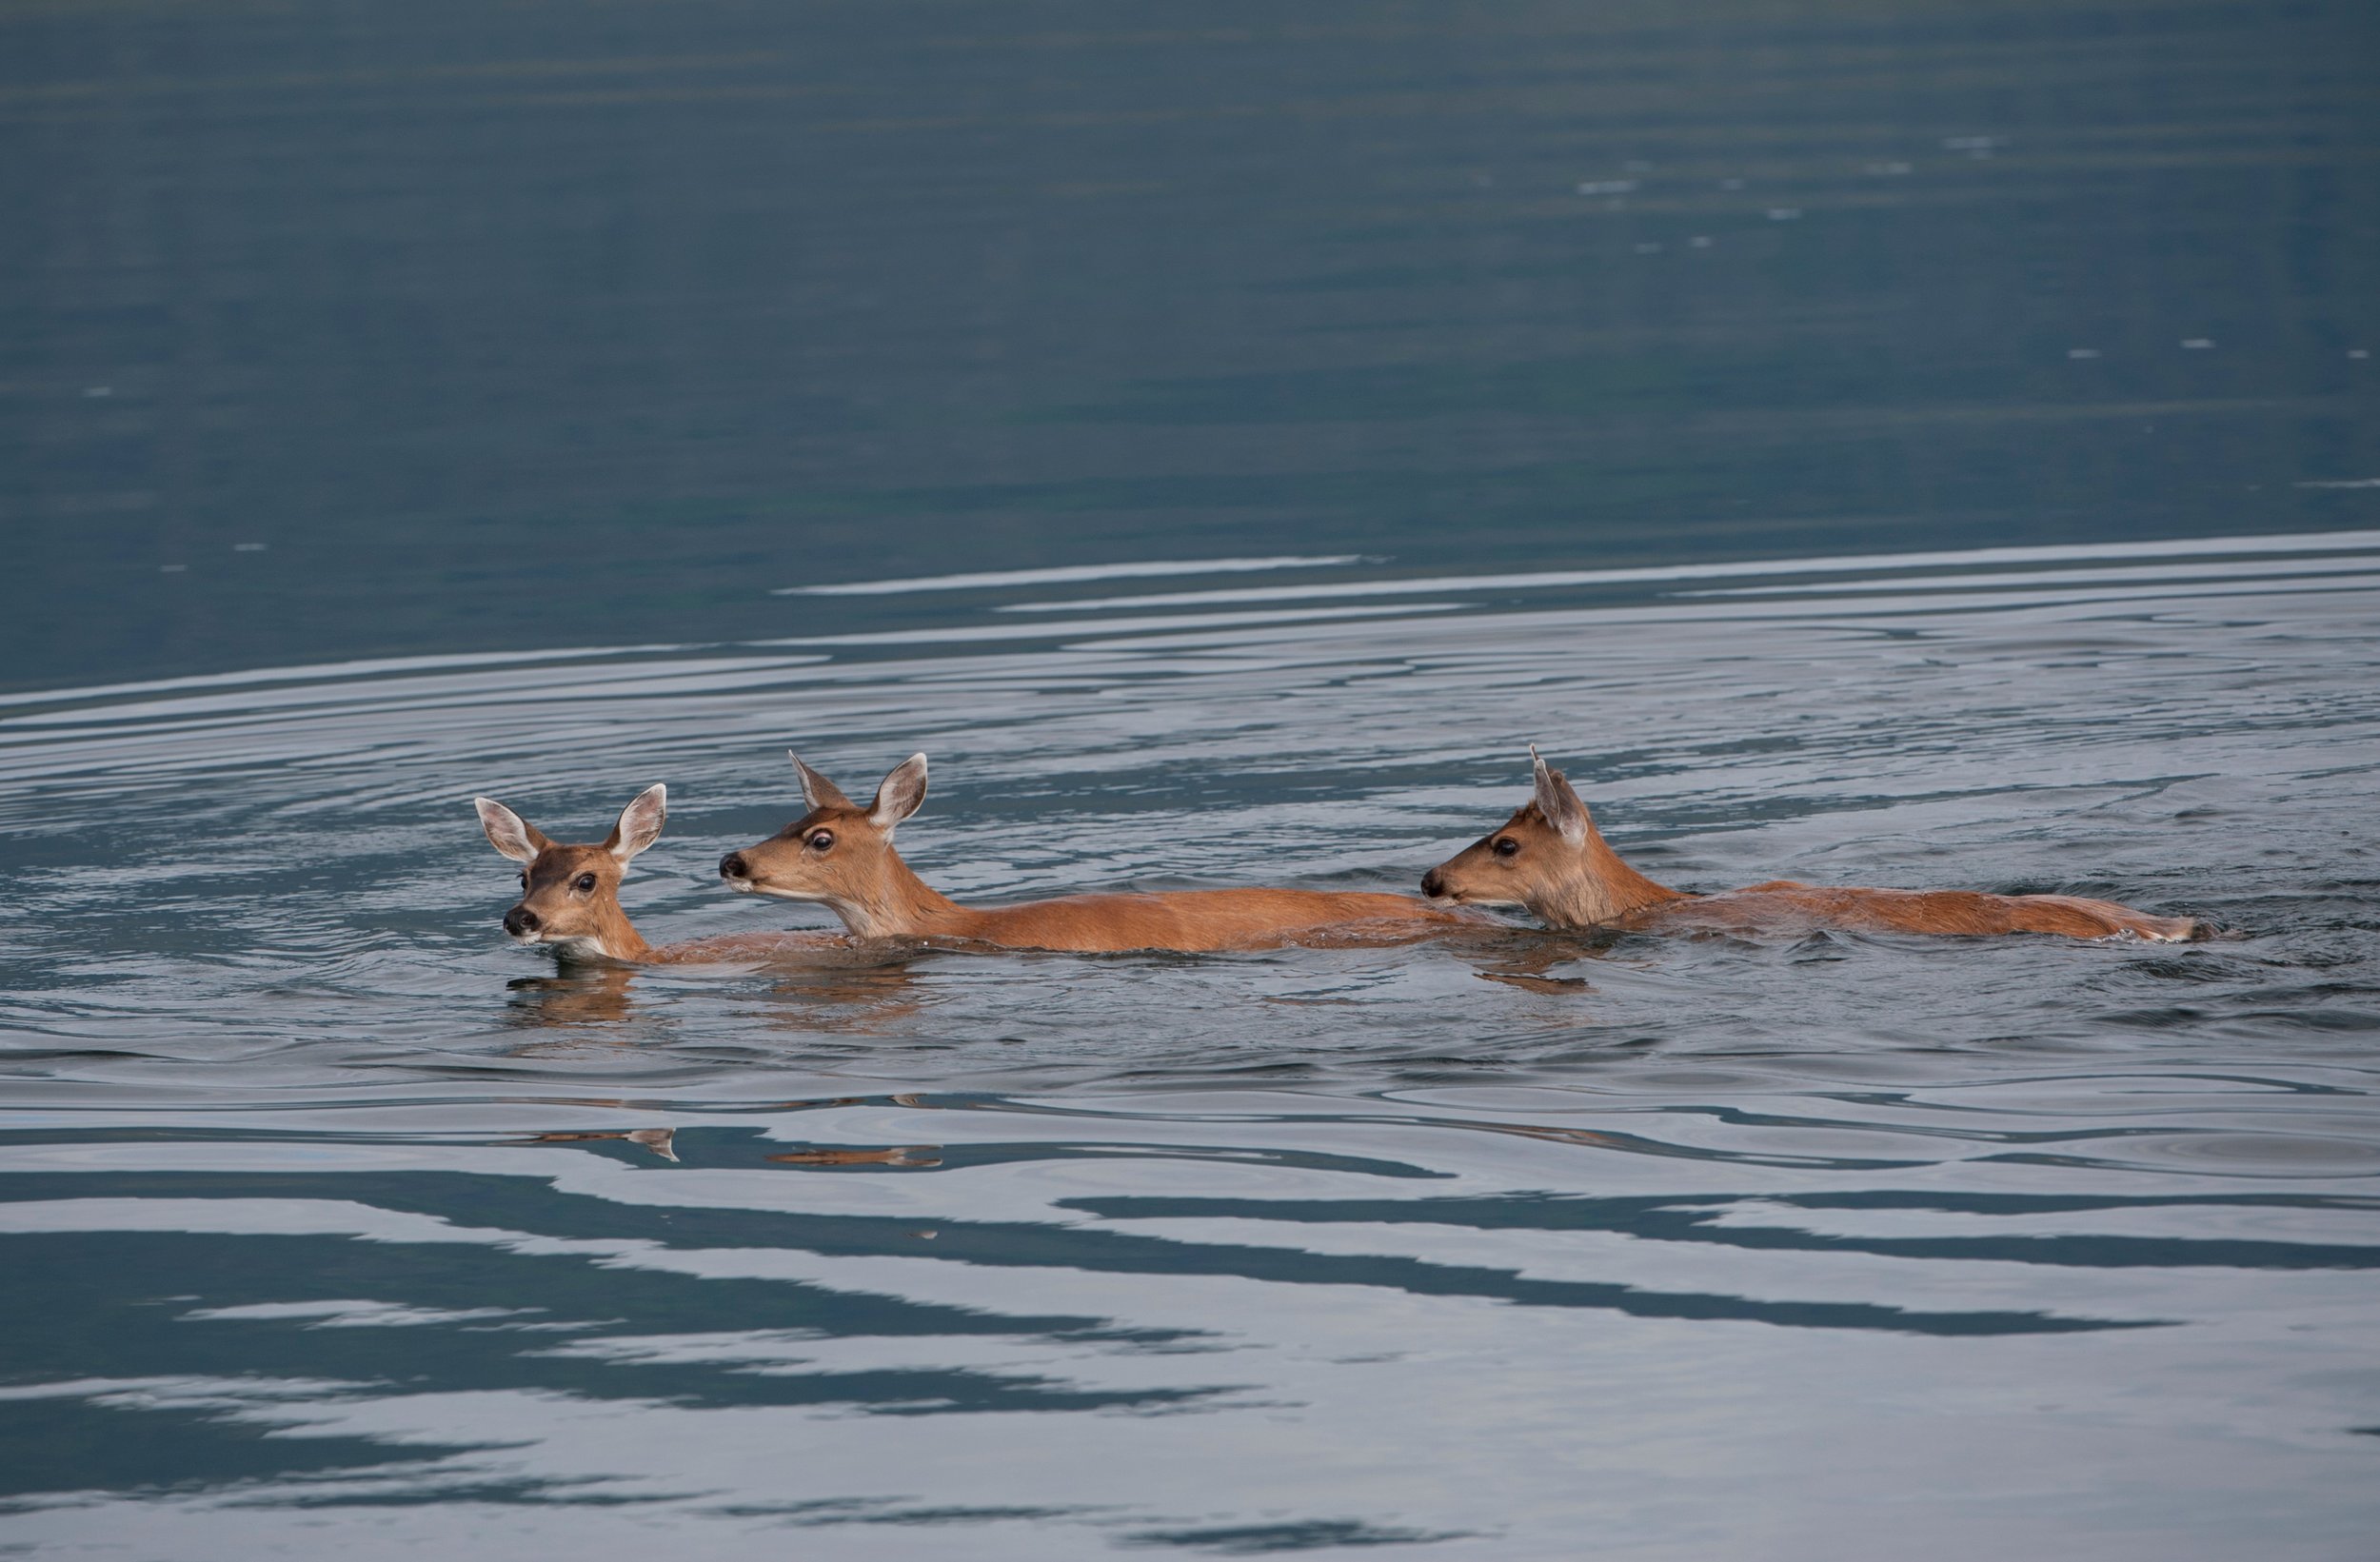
{"x":731,"y":866}
{"x":520,"y":921}
{"x":1432,"y":885}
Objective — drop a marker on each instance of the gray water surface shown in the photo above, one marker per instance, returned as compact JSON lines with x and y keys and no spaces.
{"x":1871,"y":442}
{"x":349,"y":329}
{"x":324,"y":1202}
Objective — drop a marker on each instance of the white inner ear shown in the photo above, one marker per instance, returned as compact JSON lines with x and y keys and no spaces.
{"x":812,"y":792}
{"x":1559,"y":805}
{"x":901,"y":795}
{"x":505,"y":832}
{"x":1548,"y":797}
{"x":641,"y":821}
{"x":1541,"y":779}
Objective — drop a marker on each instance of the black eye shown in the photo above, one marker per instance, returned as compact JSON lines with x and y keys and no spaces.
{"x":1505,"y":846}
{"x":586,"y":884}
{"x":822,"y":840}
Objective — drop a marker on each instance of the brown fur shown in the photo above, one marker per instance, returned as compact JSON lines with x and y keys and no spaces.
{"x":1560,"y":868}
{"x":580,"y":923}
{"x":863,"y":880}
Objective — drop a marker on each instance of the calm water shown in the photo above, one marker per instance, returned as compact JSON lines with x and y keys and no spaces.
{"x":327,"y":331}
{"x":324,"y":1212}
{"x":1863,"y":443}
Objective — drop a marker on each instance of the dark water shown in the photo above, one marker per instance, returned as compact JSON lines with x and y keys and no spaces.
{"x":324,"y":1219}
{"x":564,"y":323}
{"x":403,"y":404}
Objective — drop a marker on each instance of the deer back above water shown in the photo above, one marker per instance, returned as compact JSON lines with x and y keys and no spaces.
{"x":840,"y":855}
{"x":1551,"y":860}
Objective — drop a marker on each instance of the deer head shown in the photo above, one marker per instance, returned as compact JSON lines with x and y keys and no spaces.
{"x":840,"y":855}
{"x":571,"y":894}
{"x":1548,"y":857}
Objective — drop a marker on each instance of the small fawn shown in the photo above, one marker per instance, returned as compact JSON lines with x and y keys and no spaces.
{"x":842,"y":854}
{"x":1550,"y":858}
{"x":571,"y":894}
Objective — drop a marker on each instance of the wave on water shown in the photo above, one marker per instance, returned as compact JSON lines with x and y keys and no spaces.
{"x":340,"y":1204}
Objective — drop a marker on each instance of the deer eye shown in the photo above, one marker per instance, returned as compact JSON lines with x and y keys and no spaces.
{"x":1505,"y":846}
{"x":822,"y":840}
{"x":585,"y":884}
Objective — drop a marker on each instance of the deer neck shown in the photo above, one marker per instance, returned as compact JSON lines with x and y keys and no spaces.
{"x":1600,"y":888}
{"x":901,"y":906}
{"x":615,"y":938}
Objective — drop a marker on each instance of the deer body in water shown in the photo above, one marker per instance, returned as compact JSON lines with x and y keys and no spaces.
{"x":571,"y":894}
{"x":840,"y":855}
{"x":1550,"y":858}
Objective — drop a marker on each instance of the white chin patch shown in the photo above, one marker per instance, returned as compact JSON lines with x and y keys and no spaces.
{"x":777,"y":893}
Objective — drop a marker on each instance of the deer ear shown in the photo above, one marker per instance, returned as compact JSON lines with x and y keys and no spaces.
{"x":1558,"y":803}
{"x":640,"y":823}
{"x":903,"y":791}
{"x":816,"y":789}
{"x":508,"y":831}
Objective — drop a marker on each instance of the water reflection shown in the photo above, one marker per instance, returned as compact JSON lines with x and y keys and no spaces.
{"x":857,"y":1000}
{"x":899,"y":1155}
{"x":1897,"y":445}
{"x":293,"y":1329}
{"x":661,"y":1141}
{"x":580,"y":995}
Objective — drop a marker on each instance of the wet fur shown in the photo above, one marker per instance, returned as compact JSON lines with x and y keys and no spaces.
{"x":1783,"y":906}
{"x":592,"y":925}
{"x":866,"y":882}
{"x":1564,"y":872}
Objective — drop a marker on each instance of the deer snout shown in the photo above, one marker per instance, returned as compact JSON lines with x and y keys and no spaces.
{"x":521,"y":922}
{"x":732,"y":868}
{"x":1432,"y":885}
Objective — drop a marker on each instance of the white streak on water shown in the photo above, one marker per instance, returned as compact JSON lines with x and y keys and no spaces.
{"x":1105,"y":627}
{"x":1063,"y":574}
{"x":1220,"y":1224}
{"x":2338,"y":542}
{"x":2233,"y":571}
{"x":372,"y":668}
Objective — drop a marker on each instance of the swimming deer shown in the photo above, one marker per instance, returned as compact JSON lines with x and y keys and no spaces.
{"x":840,"y":855}
{"x":571,"y":894}
{"x":1551,"y":859}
